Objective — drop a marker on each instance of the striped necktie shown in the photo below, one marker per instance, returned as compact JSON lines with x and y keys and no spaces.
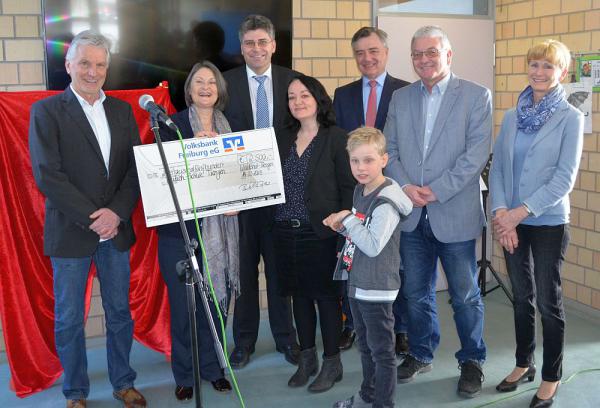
{"x":262,"y":104}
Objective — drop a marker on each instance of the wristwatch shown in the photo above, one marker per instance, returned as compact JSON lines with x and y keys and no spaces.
{"x":529,"y":212}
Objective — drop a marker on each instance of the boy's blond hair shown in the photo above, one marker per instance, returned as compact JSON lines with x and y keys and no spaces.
{"x":366,"y":135}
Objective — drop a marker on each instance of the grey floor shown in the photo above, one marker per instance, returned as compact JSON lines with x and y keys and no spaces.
{"x":263,"y":383}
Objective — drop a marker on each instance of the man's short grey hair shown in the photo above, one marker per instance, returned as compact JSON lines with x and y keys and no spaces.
{"x":88,"y":37}
{"x":365,"y":32}
{"x":429,"y":32}
{"x":257,"y":22}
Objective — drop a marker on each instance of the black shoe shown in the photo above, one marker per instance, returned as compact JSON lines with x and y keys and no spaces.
{"x":537,"y":402}
{"x":331,"y":372}
{"x":509,"y":386}
{"x":240,"y":356}
{"x":401,"y":344}
{"x":308,"y":365}
{"x":347,"y":339}
{"x":221,"y":385}
{"x":471,"y":378}
{"x":410,"y":367}
{"x":184,"y":393}
{"x":291,"y":352}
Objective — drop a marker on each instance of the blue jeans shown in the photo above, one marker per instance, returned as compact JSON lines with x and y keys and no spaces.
{"x":534,"y":271}
{"x":420,"y":251}
{"x":70,"y":277}
{"x":374,"y":324}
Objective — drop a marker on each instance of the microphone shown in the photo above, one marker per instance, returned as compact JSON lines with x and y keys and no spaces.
{"x":147,"y":103}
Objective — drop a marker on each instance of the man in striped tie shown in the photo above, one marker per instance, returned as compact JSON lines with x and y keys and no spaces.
{"x":258,"y":99}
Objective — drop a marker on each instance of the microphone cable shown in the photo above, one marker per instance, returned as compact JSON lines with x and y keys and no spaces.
{"x":207,"y":274}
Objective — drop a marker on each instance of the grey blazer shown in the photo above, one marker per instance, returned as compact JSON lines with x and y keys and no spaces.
{"x":458,"y":150}
{"x":551,"y":163}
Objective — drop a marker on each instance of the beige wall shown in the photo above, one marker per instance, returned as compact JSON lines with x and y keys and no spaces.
{"x":21,"y":45}
{"x":322,"y":32}
{"x":321,"y":47}
{"x":519,"y":24}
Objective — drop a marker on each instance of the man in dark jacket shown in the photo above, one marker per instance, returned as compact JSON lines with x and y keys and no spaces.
{"x":81,"y":146}
{"x":258,"y":92}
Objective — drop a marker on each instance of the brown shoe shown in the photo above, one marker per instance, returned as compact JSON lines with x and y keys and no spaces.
{"x":131,"y":398}
{"x":78,"y":403}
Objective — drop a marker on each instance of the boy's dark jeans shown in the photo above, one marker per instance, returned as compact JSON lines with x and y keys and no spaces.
{"x":374,"y":326}
{"x":534,"y":270}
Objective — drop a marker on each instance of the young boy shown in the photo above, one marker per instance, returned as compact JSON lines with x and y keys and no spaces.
{"x":370,"y":261}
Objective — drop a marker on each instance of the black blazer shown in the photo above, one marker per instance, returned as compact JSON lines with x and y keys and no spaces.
{"x":69,"y":169}
{"x":330,"y":184}
{"x":182,"y":120}
{"x":348,"y":103}
{"x":239,"y":108}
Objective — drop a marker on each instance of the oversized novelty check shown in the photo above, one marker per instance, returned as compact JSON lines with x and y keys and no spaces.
{"x":231,"y":172}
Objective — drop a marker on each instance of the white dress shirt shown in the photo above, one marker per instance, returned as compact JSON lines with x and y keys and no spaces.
{"x":97,"y":118}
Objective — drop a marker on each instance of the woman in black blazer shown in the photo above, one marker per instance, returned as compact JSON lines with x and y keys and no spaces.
{"x":317,"y":181}
{"x":205,"y":95}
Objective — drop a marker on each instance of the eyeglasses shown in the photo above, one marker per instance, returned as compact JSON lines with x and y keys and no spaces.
{"x":263,"y":43}
{"x":429,"y":53}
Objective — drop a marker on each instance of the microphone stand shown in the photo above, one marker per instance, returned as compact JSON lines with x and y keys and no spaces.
{"x":188,"y":270}
{"x":483,"y":263}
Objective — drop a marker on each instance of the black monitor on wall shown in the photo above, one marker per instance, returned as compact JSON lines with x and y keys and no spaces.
{"x":160,"y":40}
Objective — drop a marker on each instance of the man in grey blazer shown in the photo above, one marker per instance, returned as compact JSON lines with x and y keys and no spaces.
{"x":81,"y":146}
{"x":438,"y":132}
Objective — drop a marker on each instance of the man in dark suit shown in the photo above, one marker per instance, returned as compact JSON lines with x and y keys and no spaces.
{"x":365,"y":102}
{"x":259,"y":100}
{"x":81,"y":146}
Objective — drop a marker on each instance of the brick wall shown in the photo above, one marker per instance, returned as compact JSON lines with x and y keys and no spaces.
{"x":321,"y":47}
{"x":322,"y":33}
{"x":21,"y":45}
{"x":520,"y":24}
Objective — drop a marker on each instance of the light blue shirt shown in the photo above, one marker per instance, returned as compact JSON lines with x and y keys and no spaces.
{"x":253,"y":88}
{"x":366,"y":90}
{"x":431,"y":106}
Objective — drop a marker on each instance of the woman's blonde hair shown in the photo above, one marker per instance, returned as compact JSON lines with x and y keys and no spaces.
{"x":552,"y":51}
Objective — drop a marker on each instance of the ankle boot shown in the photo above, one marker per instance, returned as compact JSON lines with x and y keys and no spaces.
{"x":331,"y":372}
{"x":308,"y":365}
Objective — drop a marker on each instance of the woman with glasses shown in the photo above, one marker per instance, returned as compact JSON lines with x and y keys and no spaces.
{"x":536,"y":158}
{"x":205,"y":95}
{"x":317,"y":181}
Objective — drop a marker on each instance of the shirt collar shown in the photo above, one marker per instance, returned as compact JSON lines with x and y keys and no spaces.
{"x":252,"y":74}
{"x":441,"y":86}
{"x":380,"y":80}
{"x":85,"y":103}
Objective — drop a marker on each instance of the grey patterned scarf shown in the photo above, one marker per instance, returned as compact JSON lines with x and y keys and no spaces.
{"x":220,"y":233}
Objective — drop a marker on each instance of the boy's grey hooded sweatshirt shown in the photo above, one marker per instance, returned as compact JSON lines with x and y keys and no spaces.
{"x":376,"y":258}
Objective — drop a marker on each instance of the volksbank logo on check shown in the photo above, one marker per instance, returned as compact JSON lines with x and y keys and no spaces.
{"x":233,"y":143}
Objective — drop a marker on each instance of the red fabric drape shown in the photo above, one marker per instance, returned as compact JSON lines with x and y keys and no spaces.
{"x":26,"y":295}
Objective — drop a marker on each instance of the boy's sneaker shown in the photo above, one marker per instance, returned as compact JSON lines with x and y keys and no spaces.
{"x":354,"y":401}
{"x":410,"y":367}
{"x":471,"y":378}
